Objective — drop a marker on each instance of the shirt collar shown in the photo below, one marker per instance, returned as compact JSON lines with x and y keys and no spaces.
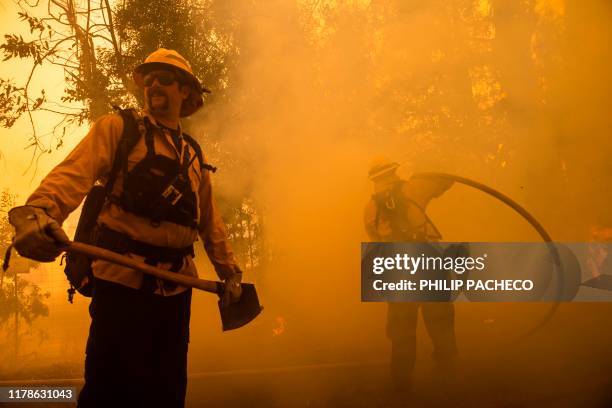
{"x":146,"y":113}
{"x":176,"y":146}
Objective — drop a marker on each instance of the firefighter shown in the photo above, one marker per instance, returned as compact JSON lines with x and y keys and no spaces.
{"x":397,"y":213}
{"x":136,"y":353}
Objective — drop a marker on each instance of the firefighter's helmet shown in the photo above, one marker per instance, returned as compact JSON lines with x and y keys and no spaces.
{"x":163,"y":58}
{"x":381,"y":166}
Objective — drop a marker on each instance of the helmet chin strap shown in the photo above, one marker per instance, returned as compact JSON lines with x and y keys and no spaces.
{"x":530,"y":219}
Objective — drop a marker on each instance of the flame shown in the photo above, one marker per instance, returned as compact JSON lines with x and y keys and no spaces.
{"x":597,"y":250}
{"x":564,"y":170}
{"x":280,"y":328}
{"x":601,"y":233}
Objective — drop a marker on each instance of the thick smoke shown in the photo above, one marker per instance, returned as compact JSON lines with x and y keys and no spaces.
{"x":509,"y":94}
{"x":512,"y":94}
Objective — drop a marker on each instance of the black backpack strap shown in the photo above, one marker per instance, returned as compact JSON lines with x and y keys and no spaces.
{"x":78,"y":266}
{"x":150,"y":143}
{"x":196,"y":147}
{"x":133,"y":128}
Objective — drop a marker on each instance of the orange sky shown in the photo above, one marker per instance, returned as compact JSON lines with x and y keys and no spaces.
{"x":15,"y":157}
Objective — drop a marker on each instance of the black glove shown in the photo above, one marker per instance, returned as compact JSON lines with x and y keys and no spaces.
{"x":37,"y":236}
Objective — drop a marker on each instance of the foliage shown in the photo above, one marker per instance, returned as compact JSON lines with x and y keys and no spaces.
{"x":7,"y":201}
{"x":186,"y":25}
{"x":20,"y":300}
{"x":97,"y":44}
{"x":244,"y":228}
{"x":467,"y":75}
{"x":27,"y":301}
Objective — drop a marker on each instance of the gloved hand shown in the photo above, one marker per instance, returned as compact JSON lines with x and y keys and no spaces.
{"x":232,"y":288}
{"x":37,"y":236}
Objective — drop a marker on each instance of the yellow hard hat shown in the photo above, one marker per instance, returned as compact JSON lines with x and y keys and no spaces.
{"x":166,"y":57}
{"x":381,"y":165}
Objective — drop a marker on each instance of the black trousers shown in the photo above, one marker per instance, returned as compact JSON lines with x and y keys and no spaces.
{"x":439,"y":318}
{"x":137,"y":348}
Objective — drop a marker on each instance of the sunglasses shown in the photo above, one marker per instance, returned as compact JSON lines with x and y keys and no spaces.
{"x":164,"y":78}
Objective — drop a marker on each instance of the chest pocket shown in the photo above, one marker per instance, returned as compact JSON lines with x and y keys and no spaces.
{"x":160,"y":188}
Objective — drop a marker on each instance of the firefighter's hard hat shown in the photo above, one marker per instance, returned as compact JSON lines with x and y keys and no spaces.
{"x":163,"y":58}
{"x":380,"y":166}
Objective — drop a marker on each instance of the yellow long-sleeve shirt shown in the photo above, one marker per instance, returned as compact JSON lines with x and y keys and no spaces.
{"x":63,"y":189}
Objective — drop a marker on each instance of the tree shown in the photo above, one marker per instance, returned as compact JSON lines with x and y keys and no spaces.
{"x":7,"y":200}
{"x":20,"y":300}
{"x":97,"y":45}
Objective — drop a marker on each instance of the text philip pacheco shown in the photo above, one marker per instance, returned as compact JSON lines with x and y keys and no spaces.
{"x":422,"y":264}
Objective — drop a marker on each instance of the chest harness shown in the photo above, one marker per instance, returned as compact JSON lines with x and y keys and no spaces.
{"x":156,"y":188}
{"x":392,"y":205}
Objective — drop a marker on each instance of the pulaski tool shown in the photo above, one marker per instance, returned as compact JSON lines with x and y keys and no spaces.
{"x":233,"y":316}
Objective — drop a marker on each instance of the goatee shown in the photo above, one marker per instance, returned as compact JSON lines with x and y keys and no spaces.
{"x":158,"y":108}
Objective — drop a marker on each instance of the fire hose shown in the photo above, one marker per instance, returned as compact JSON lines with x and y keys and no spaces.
{"x":552,"y":248}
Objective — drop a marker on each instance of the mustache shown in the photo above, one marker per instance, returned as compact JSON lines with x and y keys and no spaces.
{"x":157,"y":92}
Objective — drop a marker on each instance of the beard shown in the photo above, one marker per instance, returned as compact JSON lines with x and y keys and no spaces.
{"x":153,"y":100}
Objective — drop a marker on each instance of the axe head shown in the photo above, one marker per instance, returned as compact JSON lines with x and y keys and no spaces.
{"x":242,"y":312}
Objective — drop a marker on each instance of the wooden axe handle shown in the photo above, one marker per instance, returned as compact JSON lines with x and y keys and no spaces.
{"x":184,"y":280}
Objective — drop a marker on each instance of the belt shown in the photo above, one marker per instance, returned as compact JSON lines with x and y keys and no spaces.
{"x":121,"y":243}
